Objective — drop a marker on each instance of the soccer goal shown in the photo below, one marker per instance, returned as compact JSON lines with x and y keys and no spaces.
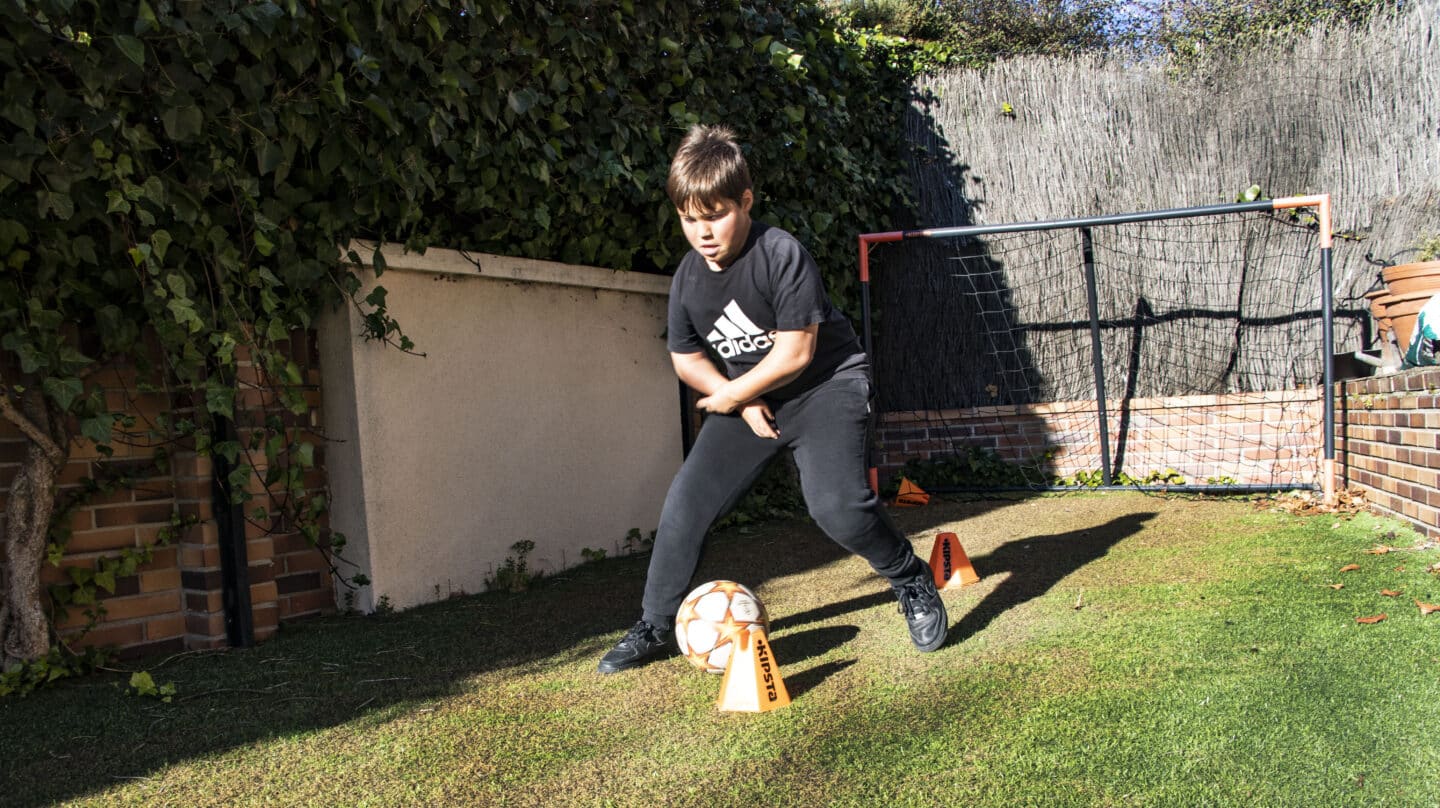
{"x":1186,"y":349}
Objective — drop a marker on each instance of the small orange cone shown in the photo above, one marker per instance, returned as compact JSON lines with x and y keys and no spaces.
{"x":951,"y":566}
{"x":752,"y":682}
{"x":910,"y":495}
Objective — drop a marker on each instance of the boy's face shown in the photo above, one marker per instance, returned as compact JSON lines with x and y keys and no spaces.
{"x":718,"y":233}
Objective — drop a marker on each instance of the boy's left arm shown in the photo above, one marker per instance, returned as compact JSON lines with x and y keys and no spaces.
{"x":789,"y":356}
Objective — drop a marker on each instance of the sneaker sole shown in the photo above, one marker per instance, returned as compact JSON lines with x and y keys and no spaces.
{"x":617,"y":667}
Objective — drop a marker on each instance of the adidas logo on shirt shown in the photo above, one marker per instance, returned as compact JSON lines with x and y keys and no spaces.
{"x":734,"y":334}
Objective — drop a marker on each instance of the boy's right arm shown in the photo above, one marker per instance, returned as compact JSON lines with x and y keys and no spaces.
{"x":697,"y":371}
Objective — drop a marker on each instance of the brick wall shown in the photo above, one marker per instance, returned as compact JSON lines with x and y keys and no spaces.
{"x":1388,"y":444}
{"x":1387,"y":438}
{"x":1251,"y":438}
{"x":175,"y":601}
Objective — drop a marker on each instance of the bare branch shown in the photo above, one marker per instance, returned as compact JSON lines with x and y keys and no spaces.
{"x":36,"y":435}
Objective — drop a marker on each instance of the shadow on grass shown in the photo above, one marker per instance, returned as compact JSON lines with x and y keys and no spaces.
{"x":797,"y":684}
{"x":1036,"y":564}
{"x":81,"y":738}
{"x":809,"y":644}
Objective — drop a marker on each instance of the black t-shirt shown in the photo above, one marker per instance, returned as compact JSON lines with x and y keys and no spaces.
{"x":774,"y":285}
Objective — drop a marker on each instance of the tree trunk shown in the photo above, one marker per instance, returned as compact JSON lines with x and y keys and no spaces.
{"x":24,"y":628}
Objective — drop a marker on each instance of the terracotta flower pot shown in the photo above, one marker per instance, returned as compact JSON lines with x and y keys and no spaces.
{"x":1403,"y":278}
{"x":1402,"y":311}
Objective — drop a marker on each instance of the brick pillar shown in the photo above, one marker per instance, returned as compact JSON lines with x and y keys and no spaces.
{"x":260,"y":554}
{"x":199,"y":554}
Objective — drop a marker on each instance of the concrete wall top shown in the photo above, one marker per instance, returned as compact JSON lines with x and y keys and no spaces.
{"x":504,"y":267}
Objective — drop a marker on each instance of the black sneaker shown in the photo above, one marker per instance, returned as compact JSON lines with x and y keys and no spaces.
{"x":642,"y":643}
{"x":924,"y":611}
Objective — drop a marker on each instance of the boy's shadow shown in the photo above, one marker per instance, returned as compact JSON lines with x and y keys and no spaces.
{"x":1036,"y":564}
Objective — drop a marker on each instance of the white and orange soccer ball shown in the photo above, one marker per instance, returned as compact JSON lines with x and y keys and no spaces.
{"x":710,"y":619}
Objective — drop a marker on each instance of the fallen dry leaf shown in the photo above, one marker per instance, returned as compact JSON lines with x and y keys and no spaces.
{"x":1350,"y":568}
{"x":1379,"y":550}
{"x":1426,"y":608}
{"x":1336,"y":586}
{"x":1305,"y":503}
{"x":1389,"y":593}
{"x":1368,"y":620}
{"x":1400,"y":568}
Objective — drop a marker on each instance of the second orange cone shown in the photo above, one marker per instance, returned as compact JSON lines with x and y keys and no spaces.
{"x":951,"y":566}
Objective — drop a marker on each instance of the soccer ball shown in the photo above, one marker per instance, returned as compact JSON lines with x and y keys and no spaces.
{"x":713,"y":615}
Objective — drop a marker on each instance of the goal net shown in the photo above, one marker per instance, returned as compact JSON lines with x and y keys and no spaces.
{"x":1185,"y":349}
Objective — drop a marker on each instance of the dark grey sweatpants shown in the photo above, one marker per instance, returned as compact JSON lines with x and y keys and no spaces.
{"x":826,"y":429}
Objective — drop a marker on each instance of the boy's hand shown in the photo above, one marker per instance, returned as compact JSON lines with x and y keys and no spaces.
{"x":761,"y":420}
{"x":718,"y":402}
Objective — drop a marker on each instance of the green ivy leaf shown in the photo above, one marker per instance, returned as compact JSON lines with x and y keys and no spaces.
{"x":12,"y":233}
{"x":145,"y":19}
{"x":53,"y":202}
{"x":522,"y":101}
{"x":117,"y":203}
{"x":268,"y":155}
{"x":220,"y":400}
{"x":133,"y":48}
{"x":63,"y":391}
{"x":182,"y":123}
{"x":160,"y":241}
{"x":377,"y":105}
{"x":143,"y":683}
{"x":97,"y":429}
{"x":184,"y":312}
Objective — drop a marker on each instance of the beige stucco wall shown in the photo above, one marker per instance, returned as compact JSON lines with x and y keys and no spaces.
{"x":544,"y":409}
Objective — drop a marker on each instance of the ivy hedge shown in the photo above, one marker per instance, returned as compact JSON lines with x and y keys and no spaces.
{"x":191,"y":166}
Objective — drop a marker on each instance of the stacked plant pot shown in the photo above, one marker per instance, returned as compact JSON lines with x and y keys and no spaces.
{"x":1408,"y":287}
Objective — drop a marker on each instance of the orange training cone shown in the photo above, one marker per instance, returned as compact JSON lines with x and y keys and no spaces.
{"x":951,"y":566}
{"x":752,"y":682}
{"x":910,"y":495}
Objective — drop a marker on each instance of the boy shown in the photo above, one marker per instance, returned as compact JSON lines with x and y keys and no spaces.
{"x":794,"y":377}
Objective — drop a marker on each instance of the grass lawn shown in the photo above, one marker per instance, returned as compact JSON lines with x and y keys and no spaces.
{"x":1120,"y":649}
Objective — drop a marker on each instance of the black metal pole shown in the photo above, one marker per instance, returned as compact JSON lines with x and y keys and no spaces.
{"x":873,"y":416}
{"x":1327,"y":314}
{"x":1097,"y":353}
{"x":234,"y":559}
{"x":1087,"y":221}
{"x":865,"y":321}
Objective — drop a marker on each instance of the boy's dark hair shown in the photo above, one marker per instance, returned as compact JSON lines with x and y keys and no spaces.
{"x":708,"y":167}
